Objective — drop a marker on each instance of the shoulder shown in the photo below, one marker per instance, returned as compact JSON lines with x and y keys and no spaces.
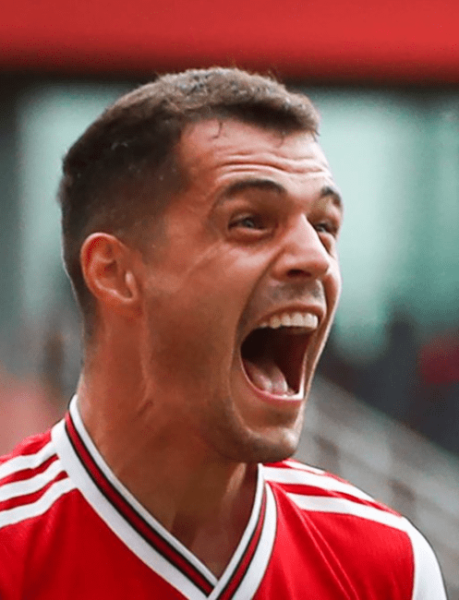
{"x":32,"y":484}
{"x":356,"y":523}
{"x":32,"y":479}
{"x":314,"y":491}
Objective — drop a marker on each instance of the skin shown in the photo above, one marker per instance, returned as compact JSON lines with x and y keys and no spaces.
{"x":163,"y":392}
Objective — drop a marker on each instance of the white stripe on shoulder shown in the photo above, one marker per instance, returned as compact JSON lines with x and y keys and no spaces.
{"x":302,"y":467}
{"x":31,"y":485}
{"x":35,"y":509}
{"x":27,"y":461}
{"x":323,"y":481}
{"x":348,"y":507}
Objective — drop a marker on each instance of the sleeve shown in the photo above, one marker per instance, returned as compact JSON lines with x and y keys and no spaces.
{"x":428,"y":580}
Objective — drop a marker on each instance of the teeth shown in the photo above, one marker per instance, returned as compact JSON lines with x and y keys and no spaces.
{"x":306,"y":320}
{"x":274,"y":322}
{"x":285,"y":320}
{"x":296,"y":320}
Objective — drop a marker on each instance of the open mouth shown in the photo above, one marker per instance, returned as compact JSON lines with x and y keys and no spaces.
{"x":274,"y":357}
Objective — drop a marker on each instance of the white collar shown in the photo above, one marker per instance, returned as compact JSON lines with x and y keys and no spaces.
{"x":148,"y":539}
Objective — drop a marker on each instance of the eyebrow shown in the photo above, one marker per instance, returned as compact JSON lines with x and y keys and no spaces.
{"x":329,"y":191}
{"x":251,"y":183}
{"x":269,"y":185}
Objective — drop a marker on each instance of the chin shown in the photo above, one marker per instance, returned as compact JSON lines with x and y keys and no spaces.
{"x":271,"y":453}
{"x":277,"y":447}
{"x":267,"y":445}
{"x":247,"y":427}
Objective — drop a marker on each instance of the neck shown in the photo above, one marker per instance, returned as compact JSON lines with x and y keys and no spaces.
{"x":201,"y":498}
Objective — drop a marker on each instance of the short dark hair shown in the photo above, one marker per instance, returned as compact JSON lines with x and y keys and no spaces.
{"x":124,"y":166}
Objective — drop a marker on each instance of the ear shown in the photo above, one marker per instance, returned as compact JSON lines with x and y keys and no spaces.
{"x":108,"y":268}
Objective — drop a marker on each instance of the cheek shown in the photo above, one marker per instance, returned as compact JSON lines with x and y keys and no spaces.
{"x":191,"y":330}
{"x":200,"y":303}
{"x":224,"y":286}
{"x":333,"y":285}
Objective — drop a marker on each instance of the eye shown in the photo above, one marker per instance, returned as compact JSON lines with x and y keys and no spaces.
{"x":248,"y":222}
{"x":251,"y":227}
{"x":327,"y":227}
{"x":327,"y":232}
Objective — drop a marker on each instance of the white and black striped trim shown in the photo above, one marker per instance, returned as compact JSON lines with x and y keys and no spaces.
{"x":115,"y":519}
{"x":145,"y":536}
{"x":259,"y":561}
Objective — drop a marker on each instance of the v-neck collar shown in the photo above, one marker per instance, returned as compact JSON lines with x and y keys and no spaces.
{"x":149,"y":540}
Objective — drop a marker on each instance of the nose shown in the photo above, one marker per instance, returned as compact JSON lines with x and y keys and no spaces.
{"x":302,"y":253}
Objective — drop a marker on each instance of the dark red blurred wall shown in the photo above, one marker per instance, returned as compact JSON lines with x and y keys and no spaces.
{"x":338,"y":40}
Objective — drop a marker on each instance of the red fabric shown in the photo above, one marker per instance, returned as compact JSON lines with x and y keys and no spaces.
{"x":350,"y":558}
{"x":382,"y":40}
{"x":69,"y":552}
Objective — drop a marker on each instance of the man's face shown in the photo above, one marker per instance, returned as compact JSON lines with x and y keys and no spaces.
{"x":241,"y":287}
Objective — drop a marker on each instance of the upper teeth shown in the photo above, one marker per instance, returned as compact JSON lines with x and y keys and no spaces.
{"x":292,"y":319}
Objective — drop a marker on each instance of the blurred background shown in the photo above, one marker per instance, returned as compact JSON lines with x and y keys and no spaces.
{"x":385,"y":78}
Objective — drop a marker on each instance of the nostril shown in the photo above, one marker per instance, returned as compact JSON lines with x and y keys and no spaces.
{"x":296,"y":272}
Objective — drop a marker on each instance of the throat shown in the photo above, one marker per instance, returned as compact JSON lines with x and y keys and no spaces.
{"x":215,"y":537}
{"x":215,"y":549}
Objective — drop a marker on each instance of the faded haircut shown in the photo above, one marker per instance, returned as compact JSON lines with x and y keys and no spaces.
{"x":124,"y":166}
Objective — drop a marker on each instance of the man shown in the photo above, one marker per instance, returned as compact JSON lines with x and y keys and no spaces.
{"x":200,"y":223}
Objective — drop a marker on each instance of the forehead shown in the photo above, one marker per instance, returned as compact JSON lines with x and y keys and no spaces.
{"x":218,"y":150}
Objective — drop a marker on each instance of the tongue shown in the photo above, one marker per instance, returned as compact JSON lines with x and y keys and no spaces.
{"x":267,"y":376}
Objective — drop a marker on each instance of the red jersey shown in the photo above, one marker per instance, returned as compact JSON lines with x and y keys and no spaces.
{"x":70,"y":529}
